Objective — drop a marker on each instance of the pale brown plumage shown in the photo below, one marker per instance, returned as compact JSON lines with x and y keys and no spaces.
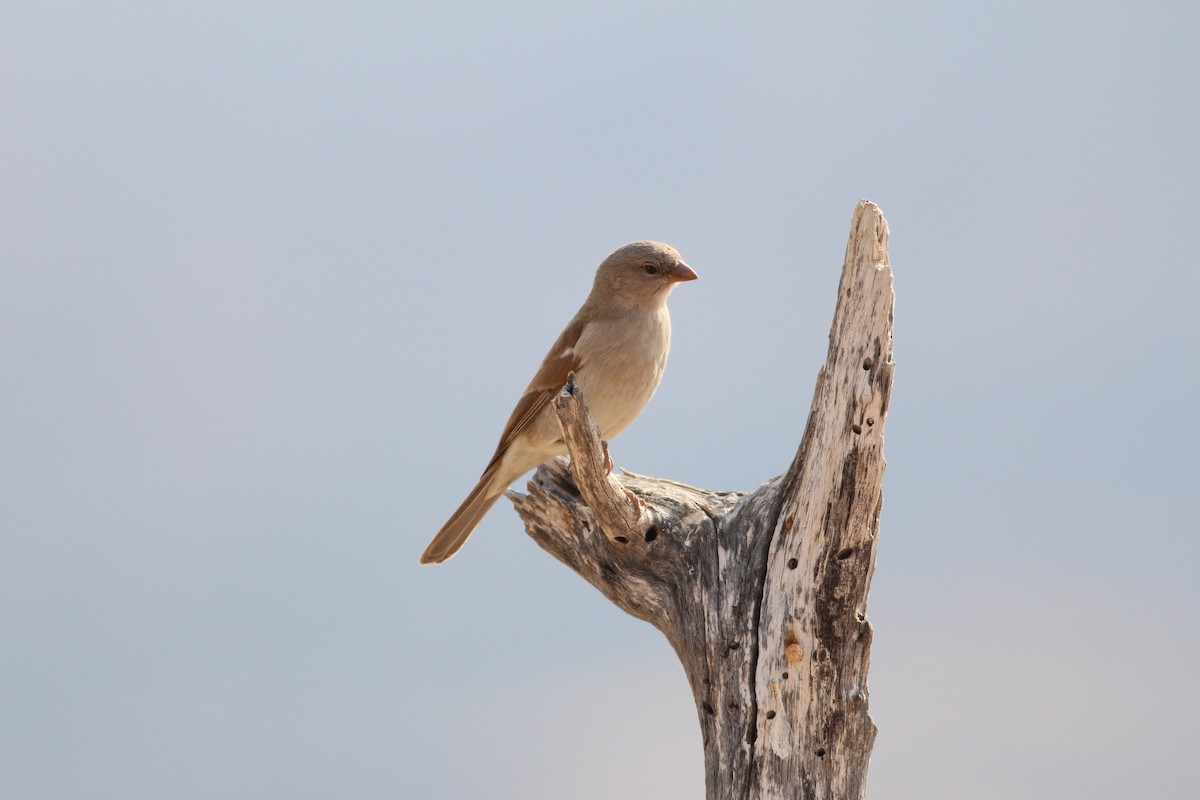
{"x":616,"y":345}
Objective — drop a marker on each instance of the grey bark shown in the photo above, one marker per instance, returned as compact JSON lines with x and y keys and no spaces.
{"x":762,"y":595}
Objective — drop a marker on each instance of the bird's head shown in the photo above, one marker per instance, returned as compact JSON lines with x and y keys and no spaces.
{"x":641,"y":273}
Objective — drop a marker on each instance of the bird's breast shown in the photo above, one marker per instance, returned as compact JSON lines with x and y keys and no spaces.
{"x":625,"y":361}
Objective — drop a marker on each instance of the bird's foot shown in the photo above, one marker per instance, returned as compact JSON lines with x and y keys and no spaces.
{"x":608,"y":462}
{"x":639,"y":505}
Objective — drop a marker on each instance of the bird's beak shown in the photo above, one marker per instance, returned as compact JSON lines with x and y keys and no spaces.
{"x":682,"y":272}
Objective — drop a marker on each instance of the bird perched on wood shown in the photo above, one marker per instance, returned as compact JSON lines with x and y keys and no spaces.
{"x":617,"y":347}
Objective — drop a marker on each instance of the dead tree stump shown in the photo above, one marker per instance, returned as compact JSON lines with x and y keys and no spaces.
{"x":762,"y":595}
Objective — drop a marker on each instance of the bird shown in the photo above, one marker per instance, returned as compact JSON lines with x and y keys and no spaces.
{"x":616,"y":345}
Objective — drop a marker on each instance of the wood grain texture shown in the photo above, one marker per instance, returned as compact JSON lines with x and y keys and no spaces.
{"x":762,"y":595}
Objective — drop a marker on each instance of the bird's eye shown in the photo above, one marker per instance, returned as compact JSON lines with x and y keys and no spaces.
{"x":651,"y":269}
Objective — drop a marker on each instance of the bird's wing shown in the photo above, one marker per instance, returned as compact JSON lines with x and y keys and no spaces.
{"x":560,"y":362}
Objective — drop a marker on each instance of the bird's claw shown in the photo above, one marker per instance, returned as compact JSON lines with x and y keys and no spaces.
{"x":639,"y":505}
{"x":608,"y":461}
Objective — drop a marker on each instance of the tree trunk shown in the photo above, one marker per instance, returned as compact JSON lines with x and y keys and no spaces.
{"x":762,"y":595}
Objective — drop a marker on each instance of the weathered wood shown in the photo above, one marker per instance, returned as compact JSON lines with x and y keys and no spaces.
{"x":617,"y":510}
{"x":763,"y":595}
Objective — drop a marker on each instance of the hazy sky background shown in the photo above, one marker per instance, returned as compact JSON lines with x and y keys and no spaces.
{"x":273,"y":274}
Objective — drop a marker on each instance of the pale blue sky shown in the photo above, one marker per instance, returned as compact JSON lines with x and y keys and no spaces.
{"x":272,"y":276}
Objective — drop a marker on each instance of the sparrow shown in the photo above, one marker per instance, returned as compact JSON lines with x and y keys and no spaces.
{"x":616,"y":345}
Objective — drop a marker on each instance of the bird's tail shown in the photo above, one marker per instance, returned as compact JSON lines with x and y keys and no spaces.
{"x":457,"y":529}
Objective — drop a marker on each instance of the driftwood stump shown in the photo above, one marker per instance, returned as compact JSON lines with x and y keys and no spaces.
{"x":762,"y":595}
